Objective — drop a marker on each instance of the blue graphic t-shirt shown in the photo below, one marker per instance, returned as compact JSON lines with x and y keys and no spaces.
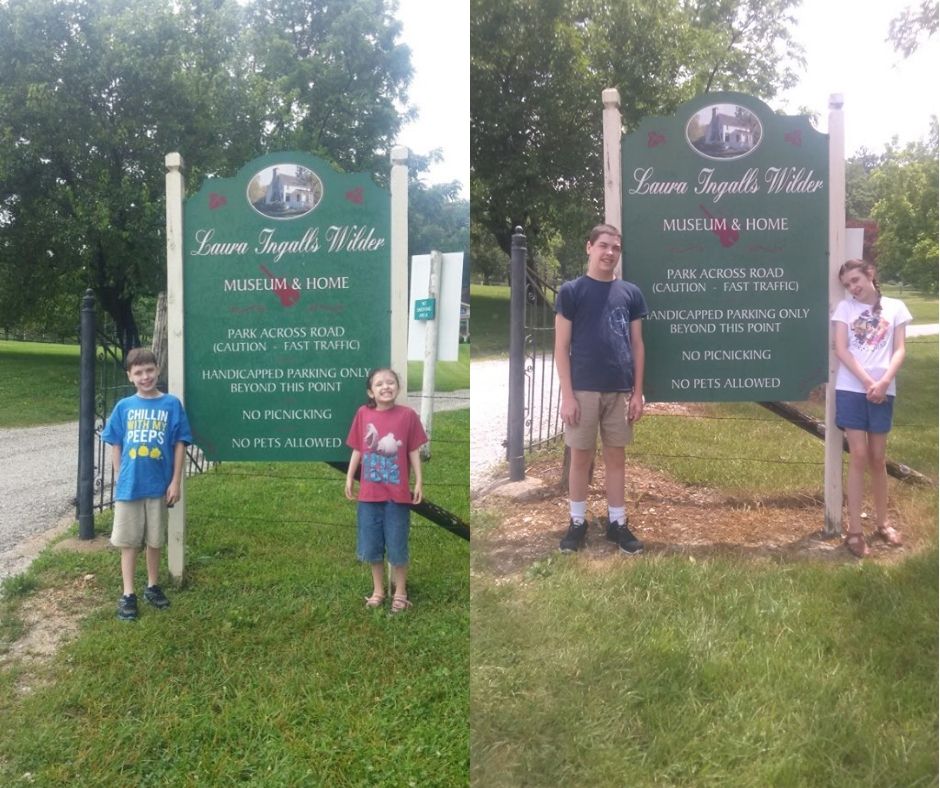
{"x":600,"y":315}
{"x":147,"y":430}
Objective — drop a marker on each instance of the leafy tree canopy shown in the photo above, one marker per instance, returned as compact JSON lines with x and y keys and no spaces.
{"x":914,"y":23}
{"x":906,"y":208}
{"x":94,"y":93}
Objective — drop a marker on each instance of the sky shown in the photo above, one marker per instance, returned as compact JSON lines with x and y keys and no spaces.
{"x":846,"y":52}
{"x":438,"y":33}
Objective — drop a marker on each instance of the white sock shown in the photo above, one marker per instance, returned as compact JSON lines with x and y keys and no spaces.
{"x":616,"y":514}
{"x":578,"y":510}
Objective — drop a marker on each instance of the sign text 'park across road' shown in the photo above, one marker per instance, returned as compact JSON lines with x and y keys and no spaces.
{"x":725,"y":228}
{"x":286,"y":271}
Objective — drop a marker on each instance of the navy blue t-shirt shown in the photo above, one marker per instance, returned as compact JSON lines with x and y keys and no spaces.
{"x":600,"y":315}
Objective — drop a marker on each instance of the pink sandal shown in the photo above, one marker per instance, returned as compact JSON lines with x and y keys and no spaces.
{"x":376,"y":600}
{"x":855,"y":542}
{"x":400,"y":603}
{"x":889,"y":535}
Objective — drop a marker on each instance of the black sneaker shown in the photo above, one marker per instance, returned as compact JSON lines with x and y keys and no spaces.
{"x":127,"y":607}
{"x":574,"y":539}
{"x":155,"y":597}
{"x":621,"y":534}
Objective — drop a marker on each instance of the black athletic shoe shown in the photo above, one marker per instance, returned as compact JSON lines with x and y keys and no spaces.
{"x":624,"y":538}
{"x":127,"y":607}
{"x":574,"y":539}
{"x":155,"y":597}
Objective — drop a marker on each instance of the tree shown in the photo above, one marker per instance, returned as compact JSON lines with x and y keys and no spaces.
{"x":906,"y":29}
{"x":537,"y":71}
{"x":94,"y":93}
{"x":859,"y":192}
{"x":907,"y":213}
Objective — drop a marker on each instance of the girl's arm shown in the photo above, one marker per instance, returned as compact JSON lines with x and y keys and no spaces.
{"x":173,"y":491}
{"x":351,"y":473}
{"x":414,"y":460}
{"x":846,"y":357}
{"x":878,"y":391}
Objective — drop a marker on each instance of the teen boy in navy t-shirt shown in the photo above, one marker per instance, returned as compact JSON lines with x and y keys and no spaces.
{"x":600,"y":358}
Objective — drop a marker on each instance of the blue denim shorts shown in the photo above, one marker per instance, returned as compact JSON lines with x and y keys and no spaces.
{"x":383,"y":528}
{"x":855,"y":412}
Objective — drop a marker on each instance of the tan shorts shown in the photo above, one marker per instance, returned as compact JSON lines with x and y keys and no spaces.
{"x":139,"y":522}
{"x":606,"y":410}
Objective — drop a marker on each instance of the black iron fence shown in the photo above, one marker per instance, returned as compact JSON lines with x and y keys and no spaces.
{"x":534,"y":397}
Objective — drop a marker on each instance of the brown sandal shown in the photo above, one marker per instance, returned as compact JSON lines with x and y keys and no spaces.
{"x":376,"y":600}
{"x":889,"y":535}
{"x":400,"y":603}
{"x":855,"y":542}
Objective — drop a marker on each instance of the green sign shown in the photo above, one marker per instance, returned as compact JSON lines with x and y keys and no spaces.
{"x":726,"y":232}
{"x":424,"y":309}
{"x":286,"y":271}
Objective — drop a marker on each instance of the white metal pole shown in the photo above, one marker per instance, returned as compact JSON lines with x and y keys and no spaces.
{"x":832,"y":475}
{"x":430,"y":350}
{"x":613,"y":123}
{"x":175,"y":189}
{"x":399,"y":262}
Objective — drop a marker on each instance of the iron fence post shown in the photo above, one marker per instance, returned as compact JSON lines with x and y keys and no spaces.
{"x":516,"y":420}
{"x":86,"y":421}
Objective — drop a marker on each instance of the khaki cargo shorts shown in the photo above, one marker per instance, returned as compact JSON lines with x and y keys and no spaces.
{"x":138,"y":523}
{"x":604,"y":410}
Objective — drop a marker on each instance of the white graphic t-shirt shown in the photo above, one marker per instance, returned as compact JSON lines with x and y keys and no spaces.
{"x":871,"y":338}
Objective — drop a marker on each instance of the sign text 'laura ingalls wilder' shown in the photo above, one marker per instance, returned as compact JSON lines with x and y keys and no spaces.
{"x":725,"y":230}
{"x":286,"y":307}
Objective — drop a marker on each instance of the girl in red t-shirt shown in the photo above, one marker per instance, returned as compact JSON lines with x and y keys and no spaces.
{"x":385,"y":439}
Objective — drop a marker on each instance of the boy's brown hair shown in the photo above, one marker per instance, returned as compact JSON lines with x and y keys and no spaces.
{"x":138,"y":357}
{"x":598,"y":230}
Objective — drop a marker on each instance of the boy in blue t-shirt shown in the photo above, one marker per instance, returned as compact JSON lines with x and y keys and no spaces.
{"x":600,"y":358}
{"x":148,"y":432}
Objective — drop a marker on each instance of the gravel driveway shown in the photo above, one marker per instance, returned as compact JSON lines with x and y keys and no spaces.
{"x":38,"y":479}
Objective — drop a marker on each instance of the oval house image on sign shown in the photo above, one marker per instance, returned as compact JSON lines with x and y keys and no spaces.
{"x":285,"y":191}
{"x":724,"y":131}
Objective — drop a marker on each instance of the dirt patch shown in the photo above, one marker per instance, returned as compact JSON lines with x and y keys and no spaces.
{"x":668,"y":517}
{"x":51,"y":618}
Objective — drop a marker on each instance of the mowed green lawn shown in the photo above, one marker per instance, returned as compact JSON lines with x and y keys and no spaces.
{"x":38,"y":383}
{"x":267,"y":669}
{"x":721,"y":668}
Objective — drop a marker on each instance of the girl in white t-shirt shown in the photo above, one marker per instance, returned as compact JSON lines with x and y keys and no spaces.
{"x":869,"y":331}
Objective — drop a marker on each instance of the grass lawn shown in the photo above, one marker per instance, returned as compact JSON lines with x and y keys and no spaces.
{"x":449,"y":375}
{"x":732,"y":669}
{"x":38,"y":383}
{"x":489,"y":320}
{"x":662,"y":671}
{"x":267,"y":669}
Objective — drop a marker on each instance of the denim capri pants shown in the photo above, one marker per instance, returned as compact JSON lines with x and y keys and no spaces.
{"x":382,"y":528}
{"x":855,"y":412}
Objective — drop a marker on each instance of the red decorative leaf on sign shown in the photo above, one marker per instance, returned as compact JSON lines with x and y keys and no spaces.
{"x":722,"y":228}
{"x":217,"y":200}
{"x":655,"y":138}
{"x":794,"y":138}
{"x":287,"y":295}
{"x":355,"y":195}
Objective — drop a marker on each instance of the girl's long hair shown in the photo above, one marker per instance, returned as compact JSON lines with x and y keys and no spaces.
{"x":370,"y":403}
{"x":869,"y":270}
